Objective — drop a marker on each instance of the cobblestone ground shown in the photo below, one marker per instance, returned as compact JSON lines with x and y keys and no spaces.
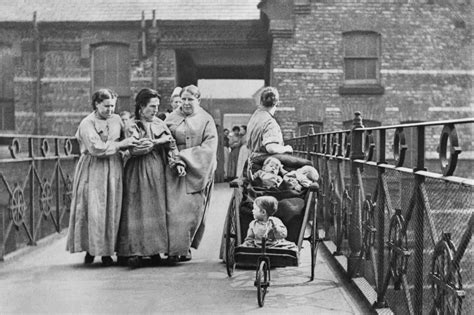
{"x":47,"y":279}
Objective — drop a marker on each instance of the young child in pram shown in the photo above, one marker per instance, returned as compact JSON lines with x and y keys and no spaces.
{"x":267,"y":225}
{"x":269,"y":176}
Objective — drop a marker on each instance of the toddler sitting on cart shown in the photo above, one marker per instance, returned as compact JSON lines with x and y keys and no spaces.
{"x":266,"y":225}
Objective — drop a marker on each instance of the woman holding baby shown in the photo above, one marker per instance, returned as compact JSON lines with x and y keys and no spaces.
{"x":144,"y":224}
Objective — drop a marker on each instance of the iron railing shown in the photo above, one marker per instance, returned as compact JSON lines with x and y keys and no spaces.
{"x":36,"y":174}
{"x":403,"y":225}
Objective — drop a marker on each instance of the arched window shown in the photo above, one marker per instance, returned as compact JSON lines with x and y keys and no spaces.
{"x":111,"y":69}
{"x":7,"y":107}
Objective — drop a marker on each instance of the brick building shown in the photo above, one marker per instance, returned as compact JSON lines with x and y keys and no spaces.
{"x":54,"y":53}
{"x":393,"y":60}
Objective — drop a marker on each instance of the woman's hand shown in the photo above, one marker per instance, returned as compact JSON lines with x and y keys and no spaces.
{"x":275,"y":148}
{"x":163,"y":139}
{"x":181,"y":170}
{"x":129,"y":143}
{"x":145,"y":143}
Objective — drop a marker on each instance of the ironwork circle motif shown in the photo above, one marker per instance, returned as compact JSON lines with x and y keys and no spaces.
{"x":44,"y":147}
{"x":442,"y":267}
{"x":398,"y":239}
{"x":46,"y":197}
{"x":17,"y":205}
{"x":14,"y":148}
{"x":448,"y":164}
{"x":399,"y":147}
{"x":67,"y":147}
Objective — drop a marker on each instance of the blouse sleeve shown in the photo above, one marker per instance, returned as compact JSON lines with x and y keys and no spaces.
{"x":272,"y":133}
{"x":93,"y":142}
{"x":200,"y":160}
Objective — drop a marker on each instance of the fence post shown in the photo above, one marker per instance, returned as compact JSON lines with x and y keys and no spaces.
{"x":380,"y":208}
{"x":309,"y":142}
{"x":418,"y":223}
{"x":355,"y":224}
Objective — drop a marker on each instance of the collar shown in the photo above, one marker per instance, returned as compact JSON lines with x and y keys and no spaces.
{"x":265,"y":111}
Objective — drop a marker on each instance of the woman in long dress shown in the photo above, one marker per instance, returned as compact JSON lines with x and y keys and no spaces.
{"x":189,"y":189}
{"x":97,"y":189}
{"x":234,"y":143}
{"x":243,"y":152}
{"x":143,"y":225}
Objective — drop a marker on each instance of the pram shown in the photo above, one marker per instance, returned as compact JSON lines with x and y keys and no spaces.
{"x":297,"y":212}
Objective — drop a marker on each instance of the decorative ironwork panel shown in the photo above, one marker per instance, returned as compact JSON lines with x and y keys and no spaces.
{"x":35,"y":188}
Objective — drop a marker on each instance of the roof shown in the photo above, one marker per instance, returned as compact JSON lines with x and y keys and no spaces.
{"x":127,"y":10}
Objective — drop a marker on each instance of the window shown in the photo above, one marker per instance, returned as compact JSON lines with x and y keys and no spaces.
{"x":361,"y":63}
{"x":111,"y":69}
{"x":7,"y":108}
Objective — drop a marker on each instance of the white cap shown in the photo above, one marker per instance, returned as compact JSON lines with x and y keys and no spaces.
{"x":177,"y":91}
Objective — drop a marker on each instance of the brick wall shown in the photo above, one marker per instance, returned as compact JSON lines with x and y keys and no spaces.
{"x":426,"y":66}
{"x":66,"y":78}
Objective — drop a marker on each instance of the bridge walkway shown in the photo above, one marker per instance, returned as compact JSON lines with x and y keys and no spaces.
{"x":47,"y":279}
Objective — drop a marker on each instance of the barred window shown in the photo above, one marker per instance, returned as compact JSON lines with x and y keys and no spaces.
{"x":111,"y":69}
{"x":361,"y":57}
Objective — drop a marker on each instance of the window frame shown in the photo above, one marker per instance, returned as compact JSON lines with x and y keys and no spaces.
{"x":124,"y":92}
{"x":366,"y":85}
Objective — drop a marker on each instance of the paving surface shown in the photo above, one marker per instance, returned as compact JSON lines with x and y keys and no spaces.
{"x":47,"y":279}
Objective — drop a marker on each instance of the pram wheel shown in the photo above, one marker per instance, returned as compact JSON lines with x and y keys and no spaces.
{"x":231,"y":238}
{"x":262,"y":281}
{"x":314,"y":239}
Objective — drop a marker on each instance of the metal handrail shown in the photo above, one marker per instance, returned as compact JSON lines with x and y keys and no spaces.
{"x":361,"y":149}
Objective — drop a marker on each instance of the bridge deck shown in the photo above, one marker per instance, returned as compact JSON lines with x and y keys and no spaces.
{"x":47,"y":279}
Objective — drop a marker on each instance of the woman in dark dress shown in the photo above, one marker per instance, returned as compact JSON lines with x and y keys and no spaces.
{"x":144,"y":222}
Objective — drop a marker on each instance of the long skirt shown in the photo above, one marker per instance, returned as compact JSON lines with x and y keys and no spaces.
{"x":226,"y":161}
{"x":96,"y":205}
{"x":186,"y":214}
{"x":232,"y":165}
{"x":143,"y":225}
{"x":243,"y":156}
